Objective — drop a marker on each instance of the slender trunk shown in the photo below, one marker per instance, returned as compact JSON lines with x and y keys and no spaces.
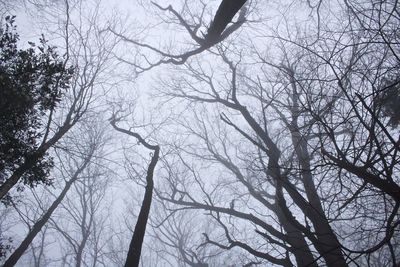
{"x":300,"y":248}
{"x":326,"y":241}
{"x":79,"y":256}
{"x":85,"y":233}
{"x":135,"y":246}
{"x":81,"y":247}
{"x":330,"y":248}
{"x":13,"y":259}
{"x":328,"y":244}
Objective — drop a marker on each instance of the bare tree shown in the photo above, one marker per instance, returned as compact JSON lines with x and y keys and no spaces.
{"x":88,"y":150}
{"x":315,"y":120}
{"x":88,"y":52}
{"x":135,"y":246}
{"x":289,"y":145}
{"x":177,"y":238}
{"x":82,"y":223}
{"x":280,"y":146}
{"x":217,"y":32}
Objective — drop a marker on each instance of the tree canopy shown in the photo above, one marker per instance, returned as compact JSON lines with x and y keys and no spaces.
{"x":32,"y":82}
{"x":201,"y":133}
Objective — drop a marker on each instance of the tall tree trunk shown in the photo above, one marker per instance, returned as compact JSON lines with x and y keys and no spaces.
{"x":135,"y":246}
{"x":13,"y":259}
{"x":300,"y":248}
{"x":327,"y":243}
{"x":81,"y":247}
{"x":330,"y":248}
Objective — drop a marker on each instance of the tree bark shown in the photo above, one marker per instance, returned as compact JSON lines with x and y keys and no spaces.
{"x":295,"y":238}
{"x":225,"y":13}
{"x":135,"y":246}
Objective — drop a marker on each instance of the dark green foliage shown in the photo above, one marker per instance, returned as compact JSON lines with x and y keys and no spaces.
{"x":32,"y":82}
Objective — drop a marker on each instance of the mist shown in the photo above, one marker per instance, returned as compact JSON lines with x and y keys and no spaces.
{"x":199,"y":133}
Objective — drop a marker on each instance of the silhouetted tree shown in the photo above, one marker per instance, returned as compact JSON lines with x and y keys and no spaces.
{"x":135,"y":246}
{"x":218,"y":31}
{"x":32,"y":83}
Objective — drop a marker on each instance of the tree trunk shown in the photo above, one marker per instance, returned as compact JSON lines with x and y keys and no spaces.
{"x":300,"y":248}
{"x":32,"y":160}
{"x":329,"y":246}
{"x":13,"y":259}
{"x":135,"y":246}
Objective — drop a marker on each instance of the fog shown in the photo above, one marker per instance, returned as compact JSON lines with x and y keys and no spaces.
{"x":199,"y":133}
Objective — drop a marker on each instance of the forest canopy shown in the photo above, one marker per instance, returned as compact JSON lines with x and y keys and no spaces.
{"x":200,"y":133}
